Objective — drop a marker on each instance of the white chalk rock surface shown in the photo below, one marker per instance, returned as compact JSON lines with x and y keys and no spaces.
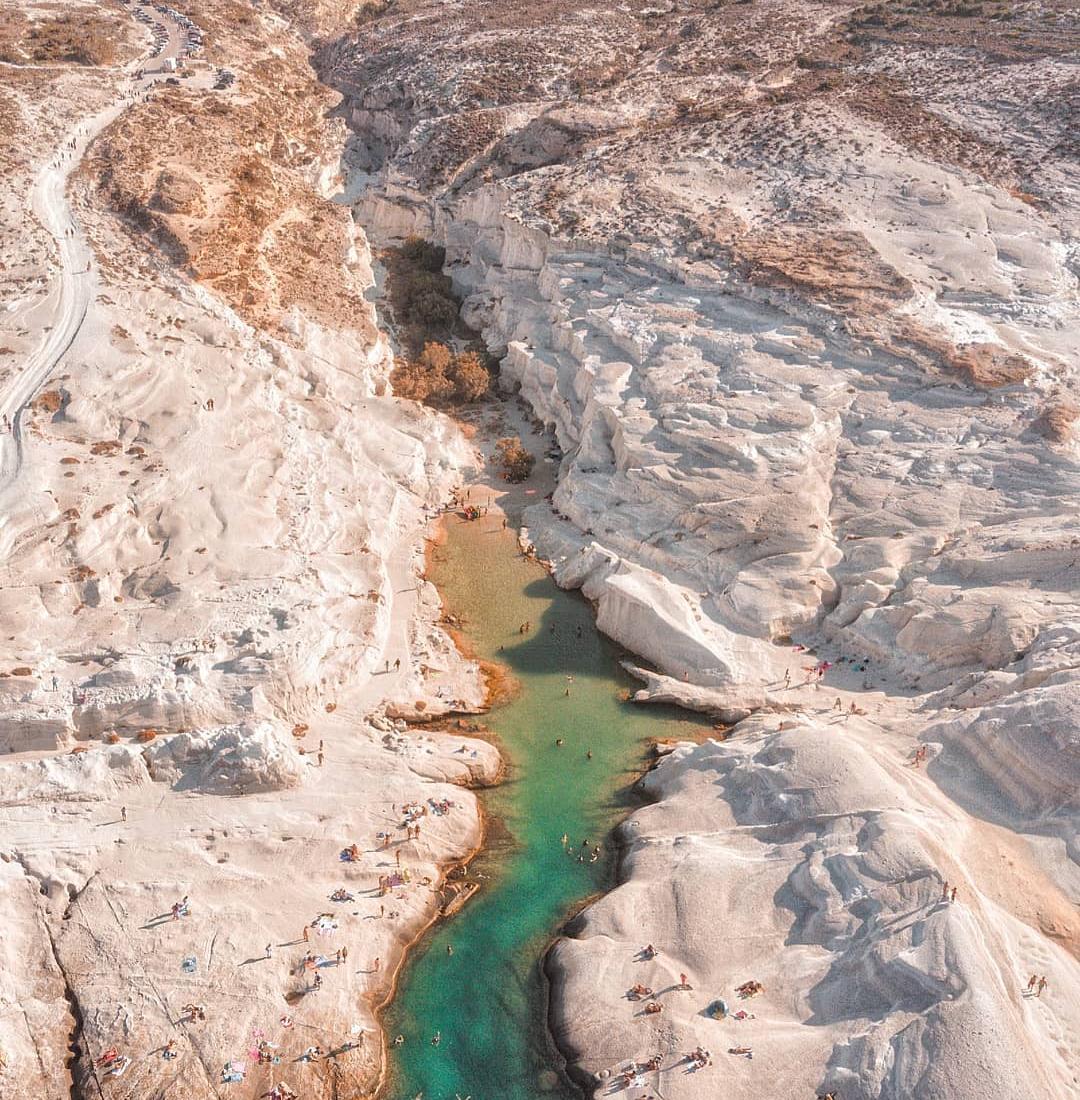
{"x":804,"y":347}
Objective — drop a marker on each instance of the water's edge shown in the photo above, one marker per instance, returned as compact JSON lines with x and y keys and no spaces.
{"x":531,"y":892}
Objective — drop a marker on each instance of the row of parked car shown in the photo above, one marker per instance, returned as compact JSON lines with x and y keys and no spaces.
{"x":193,"y":36}
{"x":158,"y":30}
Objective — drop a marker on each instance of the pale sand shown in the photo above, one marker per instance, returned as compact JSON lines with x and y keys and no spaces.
{"x":224,"y":576}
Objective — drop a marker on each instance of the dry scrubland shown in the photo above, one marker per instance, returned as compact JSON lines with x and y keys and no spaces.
{"x":211,"y":546}
{"x":794,"y":287}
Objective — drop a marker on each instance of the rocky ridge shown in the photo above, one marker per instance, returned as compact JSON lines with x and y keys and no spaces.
{"x":794,"y":290}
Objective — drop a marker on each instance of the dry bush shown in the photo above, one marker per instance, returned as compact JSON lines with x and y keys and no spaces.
{"x":517,"y":463}
{"x":422,"y":298}
{"x":85,"y":39}
{"x":439,"y":376}
{"x":471,"y":378}
{"x":370,"y":9}
{"x":1057,"y":421}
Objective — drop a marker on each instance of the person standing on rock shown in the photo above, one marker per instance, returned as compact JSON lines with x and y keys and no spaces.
{"x":1042,"y":985}
{"x":123,"y":813}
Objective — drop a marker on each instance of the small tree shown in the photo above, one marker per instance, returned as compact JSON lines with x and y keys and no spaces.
{"x":517,"y":463}
{"x":471,"y":376}
{"x":424,"y":254}
{"x":426,"y":378}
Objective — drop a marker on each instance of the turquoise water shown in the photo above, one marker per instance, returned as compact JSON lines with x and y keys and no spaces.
{"x":487,"y":998}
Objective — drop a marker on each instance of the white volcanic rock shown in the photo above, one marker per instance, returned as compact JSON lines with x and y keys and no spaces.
{"x":803,"y":860}
{"x":246,"y":757}
{"x":212,"y":519}
{"x":793,"y":293}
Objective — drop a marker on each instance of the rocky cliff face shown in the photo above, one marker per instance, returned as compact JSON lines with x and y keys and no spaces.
{"x":793,"y":289}
{"x":798,"y":365}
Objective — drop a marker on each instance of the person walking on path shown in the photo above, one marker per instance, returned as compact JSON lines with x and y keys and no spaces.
{"x":376,"y":965}
{"x":1042,"y":985}
{"x":123,"y":813}
{"x":269,"y":950}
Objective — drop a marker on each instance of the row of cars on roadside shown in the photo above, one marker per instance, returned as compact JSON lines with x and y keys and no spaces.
{"x":193,"y":36}
{"x":159,"y":31}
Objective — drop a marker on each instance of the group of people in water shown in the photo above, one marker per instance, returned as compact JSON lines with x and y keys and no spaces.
{"x":593,"y":851}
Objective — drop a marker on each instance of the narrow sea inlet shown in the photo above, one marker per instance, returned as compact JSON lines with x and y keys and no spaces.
{"x":475,"y":983}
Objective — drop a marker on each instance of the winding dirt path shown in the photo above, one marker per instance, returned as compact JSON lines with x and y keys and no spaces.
{"x":73,"y":291}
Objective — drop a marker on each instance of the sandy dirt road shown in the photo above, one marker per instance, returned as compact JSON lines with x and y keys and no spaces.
{"x":74,"y":288}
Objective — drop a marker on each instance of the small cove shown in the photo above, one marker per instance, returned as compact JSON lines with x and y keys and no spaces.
{"x":487,"y":999}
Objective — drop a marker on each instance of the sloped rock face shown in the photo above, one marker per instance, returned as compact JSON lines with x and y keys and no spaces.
{"x":796,"y":364}
{"x":793,"y":858}
{"x":792,"y":289}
